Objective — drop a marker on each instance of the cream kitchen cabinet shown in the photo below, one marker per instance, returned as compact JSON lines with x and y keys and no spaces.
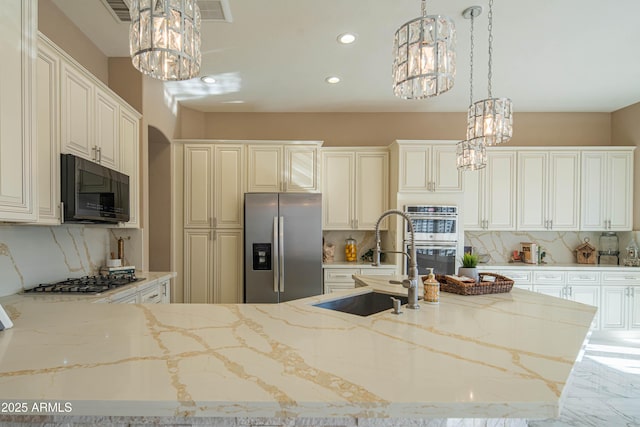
{"x":107,"y":124}
{"x":213,"y":185}
{"x":282,"y":168}
{"x":341,"y":278}
{"x":212,"y":266}
{"x":548,"y":190}
{"x":607,"y":189}
{"x":620,"y":301}
{"x":355,"y":187}
{"x":18,"y":145}
{"x":490,"y":193}
{"x":129,"y":147}
{"x":427,"y":166}
{"x":48,"y":133}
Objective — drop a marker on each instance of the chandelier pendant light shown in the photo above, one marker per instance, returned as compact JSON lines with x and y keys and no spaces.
{"x":164,"y":38}
{"x":491,"y":118}
{"x":424,"y":63}
{"x":471,"y":153}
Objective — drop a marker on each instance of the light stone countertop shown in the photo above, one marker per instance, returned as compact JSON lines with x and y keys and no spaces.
{"x":495,"y":356}
{"x":569,"y":266}
{"x":359,"y":264}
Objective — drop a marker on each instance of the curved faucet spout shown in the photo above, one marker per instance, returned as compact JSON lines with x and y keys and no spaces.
{"x":412,"y":275}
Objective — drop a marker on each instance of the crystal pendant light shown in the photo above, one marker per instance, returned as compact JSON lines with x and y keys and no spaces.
{"x":164,"y":38}
{"x":424,"y":62}
{"x":471,"y":153}
{"x":490,"y":118}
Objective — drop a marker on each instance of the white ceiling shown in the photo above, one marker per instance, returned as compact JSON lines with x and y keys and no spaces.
{"x":549,"y":55}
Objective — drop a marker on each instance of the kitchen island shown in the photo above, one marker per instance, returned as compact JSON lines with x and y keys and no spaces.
{"x":496,"y":356}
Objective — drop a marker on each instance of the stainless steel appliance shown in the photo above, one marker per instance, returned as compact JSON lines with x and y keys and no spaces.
{"x":283,"y":246}
{"x":436,"y":237}
{"x":89,"y":285}
{"x":92,"y":193}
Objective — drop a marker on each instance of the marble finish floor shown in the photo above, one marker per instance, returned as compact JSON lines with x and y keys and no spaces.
{"x":604,"y":390}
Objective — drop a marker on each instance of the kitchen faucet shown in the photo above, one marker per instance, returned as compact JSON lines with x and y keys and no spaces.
{"x":411,"y":282}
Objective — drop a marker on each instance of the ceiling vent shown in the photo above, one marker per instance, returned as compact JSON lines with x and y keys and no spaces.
{"x":210,"y":10}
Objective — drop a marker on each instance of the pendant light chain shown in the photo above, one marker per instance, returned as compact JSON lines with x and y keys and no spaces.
{"x":490,"y":45}
{"x":471,"y":63}
{"x":424,"y":8}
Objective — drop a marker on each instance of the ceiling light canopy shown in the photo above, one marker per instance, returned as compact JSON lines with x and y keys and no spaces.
{"x":332,"y":79}
{"x":424,"y":62}
{"x":208,"y":79}
{"x":164,"y":38}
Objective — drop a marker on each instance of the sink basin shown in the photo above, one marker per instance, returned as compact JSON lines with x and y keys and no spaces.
{"x":363,"y":304}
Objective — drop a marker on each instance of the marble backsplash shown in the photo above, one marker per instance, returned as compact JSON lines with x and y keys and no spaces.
{"x":559,"y":246}
{"x":30,"y":255}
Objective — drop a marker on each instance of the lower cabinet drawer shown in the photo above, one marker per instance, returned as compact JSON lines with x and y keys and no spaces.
{"x":340,"y":274}
{"x":151,"y":296}
{"x":583,"y":278}
{"x":621,"y":278}
{"x":377,"y":271}
{"x":549,"y":277}
{"x":523,"y":277}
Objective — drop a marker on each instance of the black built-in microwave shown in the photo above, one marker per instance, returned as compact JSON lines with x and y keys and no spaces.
{"x":92,"y":193}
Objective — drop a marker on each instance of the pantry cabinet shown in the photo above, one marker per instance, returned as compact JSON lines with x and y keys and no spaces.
{"x":427,"y":167}
{"x":213,"y":185}
{"x":607,"y":189}
{"x":355,"y":187}
{"x":18,"y":200}
{"x":548,"y":190}
{"x":490,"y":193}
{"x":282,"y":168}
{"x":212,"y":266}
{"x":48,"y":133}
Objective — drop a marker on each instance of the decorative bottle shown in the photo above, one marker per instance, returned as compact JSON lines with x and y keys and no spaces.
{"x":431,"y":288}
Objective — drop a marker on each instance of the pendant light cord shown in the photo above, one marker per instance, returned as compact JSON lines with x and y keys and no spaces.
{"x":424,"y":8}
{"x":490,"y":44}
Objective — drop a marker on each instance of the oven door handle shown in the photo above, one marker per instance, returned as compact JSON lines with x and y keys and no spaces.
{"x":435,"y":217}
{"x":436,"y":247}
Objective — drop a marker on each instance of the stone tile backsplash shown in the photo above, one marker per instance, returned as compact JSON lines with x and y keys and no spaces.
{"x":558,"y":245}
{"x":30,"y":255}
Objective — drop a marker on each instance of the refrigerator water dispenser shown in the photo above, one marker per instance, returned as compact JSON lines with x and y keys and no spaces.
{"x":262,"y":256}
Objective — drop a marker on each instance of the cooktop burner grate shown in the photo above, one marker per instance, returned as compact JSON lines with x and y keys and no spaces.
{"x":87,"y":284}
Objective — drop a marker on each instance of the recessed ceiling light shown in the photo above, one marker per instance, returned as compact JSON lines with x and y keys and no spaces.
{"x":332,"y":80}
{"x":208,"y":79}
{"x":346,"y":38}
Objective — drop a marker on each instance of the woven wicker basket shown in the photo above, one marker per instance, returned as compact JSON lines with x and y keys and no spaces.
{"x":500,"y":284}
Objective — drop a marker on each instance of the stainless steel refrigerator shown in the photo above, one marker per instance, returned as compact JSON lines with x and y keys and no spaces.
{"x":283,"y":246}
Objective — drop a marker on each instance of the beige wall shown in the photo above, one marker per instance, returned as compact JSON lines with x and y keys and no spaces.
{"x":126,"y":81}
{"x":625,"y":130}
{"x":55,"y":25}
{"x":358,"y":129}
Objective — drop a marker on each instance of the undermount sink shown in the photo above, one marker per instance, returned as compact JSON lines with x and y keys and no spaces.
{"x":363,"y":304}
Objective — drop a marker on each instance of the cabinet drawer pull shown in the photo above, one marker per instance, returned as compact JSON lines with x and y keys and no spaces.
{"x":630,"y":277}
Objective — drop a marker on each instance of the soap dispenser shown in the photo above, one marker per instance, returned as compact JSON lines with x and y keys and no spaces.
{"x":431,"y":288}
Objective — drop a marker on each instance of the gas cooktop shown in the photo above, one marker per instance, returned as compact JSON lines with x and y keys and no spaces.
{"x":86,"y":285}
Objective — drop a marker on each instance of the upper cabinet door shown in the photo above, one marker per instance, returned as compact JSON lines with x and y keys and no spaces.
{"x":414,"y":168}
{"x":445,"y":174}
{"x":198,"y":186}
{"x":129,"y":161}
{"x":264,"y":168}
{"x":106,"y":128}
{"x":372,"y":189}
{"x":17,"y":111}
{"x":76,"y":115}
{"x":500,"y":191}
{"x":338,"y":190}
{"x":564,"y":191}
{"x":48,"y":134}
{"x":532,"y":184}
{"x":301,"y":168}
{"x":620,"y":191}
{"x":228,"y":185}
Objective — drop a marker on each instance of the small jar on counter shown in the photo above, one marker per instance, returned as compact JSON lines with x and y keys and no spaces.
{"x":431,"y":289}
{"x":350,"y":250}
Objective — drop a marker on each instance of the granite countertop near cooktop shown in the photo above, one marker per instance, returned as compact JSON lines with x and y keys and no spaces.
{"x":494,"y":356}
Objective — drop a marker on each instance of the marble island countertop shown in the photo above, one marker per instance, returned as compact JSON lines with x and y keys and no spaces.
{"x":495,"y":356}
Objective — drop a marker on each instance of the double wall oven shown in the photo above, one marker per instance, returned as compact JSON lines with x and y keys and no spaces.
{"x":436,"y":237}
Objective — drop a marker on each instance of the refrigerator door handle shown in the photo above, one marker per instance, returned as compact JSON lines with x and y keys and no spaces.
{"x":276,"y":255}
{"x":281,"y":252}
